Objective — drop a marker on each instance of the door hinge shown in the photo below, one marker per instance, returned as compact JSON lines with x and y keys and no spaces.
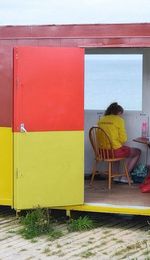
{"x":16,"y":54}
{"x":17,"y":82}
{"x":18,"y":174}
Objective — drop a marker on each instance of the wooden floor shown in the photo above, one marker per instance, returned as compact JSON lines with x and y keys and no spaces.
{"x":120,"y":194}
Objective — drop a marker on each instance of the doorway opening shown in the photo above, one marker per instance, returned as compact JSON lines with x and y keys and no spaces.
{"x":114,"y":75}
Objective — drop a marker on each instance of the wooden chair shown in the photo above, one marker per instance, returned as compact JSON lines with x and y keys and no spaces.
{"x":99,"y":140}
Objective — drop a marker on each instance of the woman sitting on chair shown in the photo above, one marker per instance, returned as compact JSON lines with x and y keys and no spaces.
{"x":114,"y":126}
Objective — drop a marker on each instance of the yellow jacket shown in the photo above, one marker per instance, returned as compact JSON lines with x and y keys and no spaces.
{"x":114,"y":126}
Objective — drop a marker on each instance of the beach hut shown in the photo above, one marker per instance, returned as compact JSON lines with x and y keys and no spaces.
{"x":42,"y":112}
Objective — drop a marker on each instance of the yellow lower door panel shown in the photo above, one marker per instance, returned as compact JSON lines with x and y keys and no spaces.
{"x":48,"y":169}
{"x":6,"y":180}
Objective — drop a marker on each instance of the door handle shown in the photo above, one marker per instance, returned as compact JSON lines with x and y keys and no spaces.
{"x":22,"y":128}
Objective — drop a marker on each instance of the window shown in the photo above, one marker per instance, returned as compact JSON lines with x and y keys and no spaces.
{"x":113,"y":77}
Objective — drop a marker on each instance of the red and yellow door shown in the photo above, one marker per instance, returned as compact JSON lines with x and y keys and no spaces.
{"x":48,"y":127}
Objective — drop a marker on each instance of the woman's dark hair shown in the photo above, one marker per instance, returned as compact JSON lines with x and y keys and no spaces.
{"x":114,"y":109}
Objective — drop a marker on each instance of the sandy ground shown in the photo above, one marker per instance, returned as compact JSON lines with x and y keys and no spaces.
{"x":116,"y":237}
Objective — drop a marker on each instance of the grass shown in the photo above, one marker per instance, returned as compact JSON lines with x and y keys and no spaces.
{"x":54,"y":234}
{"x":23,"y":250}
{"x":11,"y":231}
{"x":131,"y":249}
{"x":46,"y":250}
{"x":87,"y":254}
{"x":80,"y":224}
{"x":37,"y":222}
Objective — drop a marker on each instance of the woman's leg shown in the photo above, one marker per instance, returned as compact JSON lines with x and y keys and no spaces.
{"x":133,"y":158}
{"x":131,"y":161}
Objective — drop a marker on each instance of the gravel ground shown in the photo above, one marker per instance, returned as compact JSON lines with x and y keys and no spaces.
{"x":117,"y":237}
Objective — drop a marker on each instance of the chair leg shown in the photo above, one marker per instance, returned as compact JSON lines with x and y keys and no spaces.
{"x":93,"y":172}
{"x":126,"y":173}
{"x":109,"y":174}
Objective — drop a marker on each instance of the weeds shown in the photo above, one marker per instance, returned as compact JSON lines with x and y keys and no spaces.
{"x":23,"y":249}
{"x":80,"y":224}
{"x":87,"y":254}
{"x":11,"y":231}
{"x":54,"y":234}
{"x":46,"y":250}
{"x":36,"y":223}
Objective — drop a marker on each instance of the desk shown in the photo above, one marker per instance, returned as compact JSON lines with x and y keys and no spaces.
{"x":143,"y":140}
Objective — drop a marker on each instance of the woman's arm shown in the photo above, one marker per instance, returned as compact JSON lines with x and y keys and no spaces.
{"x":122,"y":131}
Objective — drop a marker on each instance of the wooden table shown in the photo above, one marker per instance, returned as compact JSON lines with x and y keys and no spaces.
{"x":143,"y":140}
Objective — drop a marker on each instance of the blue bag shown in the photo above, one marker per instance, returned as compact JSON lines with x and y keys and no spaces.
{"x":139,"y":173}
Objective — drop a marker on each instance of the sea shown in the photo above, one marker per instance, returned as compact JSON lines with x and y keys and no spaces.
{"x":113,"y":78}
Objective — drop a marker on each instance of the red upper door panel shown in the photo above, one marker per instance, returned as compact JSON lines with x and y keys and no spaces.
{"x":48,"y":88}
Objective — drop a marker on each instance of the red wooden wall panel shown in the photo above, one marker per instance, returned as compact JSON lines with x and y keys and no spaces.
{"x":6,"y":83}
{"x":77,"y":31}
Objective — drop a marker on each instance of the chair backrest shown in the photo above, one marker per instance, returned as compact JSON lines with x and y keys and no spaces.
{"x":101,"y":143}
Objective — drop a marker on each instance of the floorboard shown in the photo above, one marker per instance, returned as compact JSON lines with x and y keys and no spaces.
{"x":120,"y":194}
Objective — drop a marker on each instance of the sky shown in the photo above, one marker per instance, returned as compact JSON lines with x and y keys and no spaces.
{"x":39,"y":12}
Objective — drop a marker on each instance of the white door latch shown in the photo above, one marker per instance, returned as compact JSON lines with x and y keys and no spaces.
{"x":22,"y":128}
